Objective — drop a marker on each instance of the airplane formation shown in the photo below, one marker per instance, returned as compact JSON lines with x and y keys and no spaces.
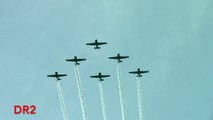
{"x":100,"y":77}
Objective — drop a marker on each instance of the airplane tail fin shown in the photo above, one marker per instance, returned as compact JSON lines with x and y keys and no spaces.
{"x":139,"y":76}
{"x":97,"y":47}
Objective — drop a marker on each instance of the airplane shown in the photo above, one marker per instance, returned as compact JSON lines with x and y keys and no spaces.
{"x":139,"y":72}
{"x":57,"y":75}
{"x":100,"y":76}
{"x":76,"y":60}
{"x":96,"y":44}
{"x":118,"y":57}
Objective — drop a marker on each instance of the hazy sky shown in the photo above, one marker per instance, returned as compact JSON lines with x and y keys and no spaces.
{"x":170,"y":38}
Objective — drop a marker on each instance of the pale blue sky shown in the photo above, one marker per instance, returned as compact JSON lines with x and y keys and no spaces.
{"x":171,"y":38}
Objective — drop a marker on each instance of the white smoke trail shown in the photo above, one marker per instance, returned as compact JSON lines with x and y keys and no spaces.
{"x":140,"y":98}
{"x":80,"y":91}
{"x":121,"y":93}
{"x":102,"y":100}
{"x":61,"y":100}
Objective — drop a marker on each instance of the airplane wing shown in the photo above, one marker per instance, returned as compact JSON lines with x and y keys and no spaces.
{"x":51,"y":75}
{"x":103,"y":76}
{"x":61,"y":75}
{"x":113,"y":57}
{"x":134,"y":72}
{"x":101,"y":43}
{"x":91,"y":44}
{"x":122,"y":57}
{"x":98,"y":43}
{"x":70,"y":59}
{"x":95,"y":76}
{"x":144,"y":71}
{"x":81,"y":59}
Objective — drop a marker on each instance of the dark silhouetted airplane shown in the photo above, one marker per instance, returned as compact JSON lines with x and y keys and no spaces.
{"x":57,"y":76}
{"x":139,"y":72}
{"x":96,"y":44}
{"x":118,"y":57}
{"x":76,"y":60}
{"x":100,"y":76}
